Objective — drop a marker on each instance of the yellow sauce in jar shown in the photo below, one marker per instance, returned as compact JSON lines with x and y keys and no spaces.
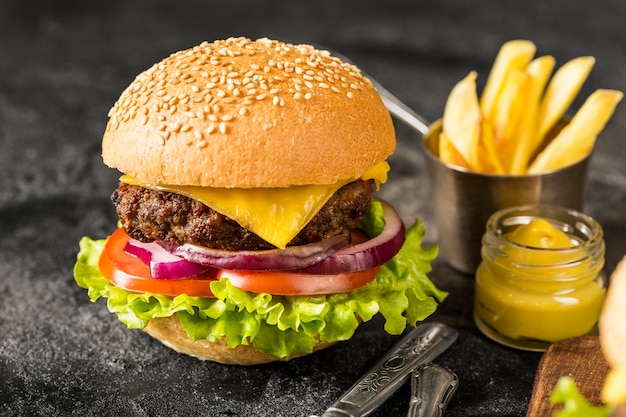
{"x":541,"y":279}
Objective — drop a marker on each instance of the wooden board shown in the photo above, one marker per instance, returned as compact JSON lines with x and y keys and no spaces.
{"x":578,"y":357}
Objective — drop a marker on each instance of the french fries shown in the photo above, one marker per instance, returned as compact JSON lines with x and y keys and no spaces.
{"x":576,"y":140}
{"x":522,"y":101}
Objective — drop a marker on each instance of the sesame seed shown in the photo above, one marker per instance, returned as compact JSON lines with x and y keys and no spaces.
{"x":260,"y":96}
{"x":308,"y":96}
{"x":222,"y":127}
{"x":323,"y":85}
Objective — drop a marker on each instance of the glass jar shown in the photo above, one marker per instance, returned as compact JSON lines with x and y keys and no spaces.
{"x":529,"y":295}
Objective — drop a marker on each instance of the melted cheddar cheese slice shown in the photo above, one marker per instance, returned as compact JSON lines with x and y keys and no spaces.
{"x":275,"y":214}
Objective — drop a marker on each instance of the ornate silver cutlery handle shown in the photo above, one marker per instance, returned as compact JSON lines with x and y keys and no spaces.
{"x":418,"y":347}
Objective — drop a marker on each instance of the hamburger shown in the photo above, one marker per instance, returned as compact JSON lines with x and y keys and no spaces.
{"x":612,"y":329}
{"x":248,"y":227}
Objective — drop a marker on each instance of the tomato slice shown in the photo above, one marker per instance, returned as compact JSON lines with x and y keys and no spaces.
{"x":298,"y":283}
{"x":131,"y":273}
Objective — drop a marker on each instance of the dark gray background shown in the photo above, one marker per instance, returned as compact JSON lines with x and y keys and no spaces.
{"x":62,"y":66}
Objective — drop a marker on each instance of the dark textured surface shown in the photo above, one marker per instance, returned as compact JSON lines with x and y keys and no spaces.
{"x":63,"y":64}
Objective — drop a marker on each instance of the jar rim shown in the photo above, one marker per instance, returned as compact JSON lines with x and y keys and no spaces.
{"x":573,"y":222}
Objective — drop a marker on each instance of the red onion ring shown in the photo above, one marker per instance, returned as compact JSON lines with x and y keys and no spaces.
{"x":330,"y":256}
{"x":368,"y":254}
{"x":292,"y":258}
{"x":163,"y":265}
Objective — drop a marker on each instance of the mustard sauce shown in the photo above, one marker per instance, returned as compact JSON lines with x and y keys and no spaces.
{"x":540,"y":279}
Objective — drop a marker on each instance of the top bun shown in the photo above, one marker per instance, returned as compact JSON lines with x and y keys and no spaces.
{"x":613,"y":319}
{"x":243,"y":113}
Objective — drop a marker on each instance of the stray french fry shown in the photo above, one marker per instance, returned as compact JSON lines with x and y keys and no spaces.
{"x":526,"y":141}
{"x":560,"y":93}
{"x":461,"y":117}
{"x":513,"y":55}
{"x":577,"y":139}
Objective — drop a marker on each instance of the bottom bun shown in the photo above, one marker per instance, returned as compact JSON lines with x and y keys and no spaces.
{"x":613,"y":319}
{"x":170,"y":332}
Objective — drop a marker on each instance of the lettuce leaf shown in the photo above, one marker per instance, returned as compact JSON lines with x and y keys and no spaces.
{"x":574,"y":403}
{"x":281,"y":325}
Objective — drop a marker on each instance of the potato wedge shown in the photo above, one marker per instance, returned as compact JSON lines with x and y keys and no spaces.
{"x":561,"y":92}
{"x":486,"y":156}
{"x":513,"y":55}
{"x":577,"y":139}
{"x":525,"y":139}
{"x":507,"y":112}
{"x":449,"y":154}
{"x":461,"y":117}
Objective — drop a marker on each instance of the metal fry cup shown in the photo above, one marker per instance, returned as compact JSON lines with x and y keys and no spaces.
{"x":464,"y":200}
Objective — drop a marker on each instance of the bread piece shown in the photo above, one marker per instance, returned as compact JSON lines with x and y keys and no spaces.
{"x":170,"y":332}
{"x":243,"y":113}
{"x":613,"y":319}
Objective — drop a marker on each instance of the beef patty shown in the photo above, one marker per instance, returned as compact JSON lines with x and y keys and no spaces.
{"x":149,"y":215}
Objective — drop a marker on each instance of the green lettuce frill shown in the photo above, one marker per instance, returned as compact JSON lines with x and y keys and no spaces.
{"x":281,"y":325}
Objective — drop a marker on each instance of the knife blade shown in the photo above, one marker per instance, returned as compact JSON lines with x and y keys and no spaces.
{"x":418,"y":347}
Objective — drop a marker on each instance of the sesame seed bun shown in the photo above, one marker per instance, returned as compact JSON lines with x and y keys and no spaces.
{"x":613,"y":319}
{"x":170,"y":332}
{"x":244,"y":113}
